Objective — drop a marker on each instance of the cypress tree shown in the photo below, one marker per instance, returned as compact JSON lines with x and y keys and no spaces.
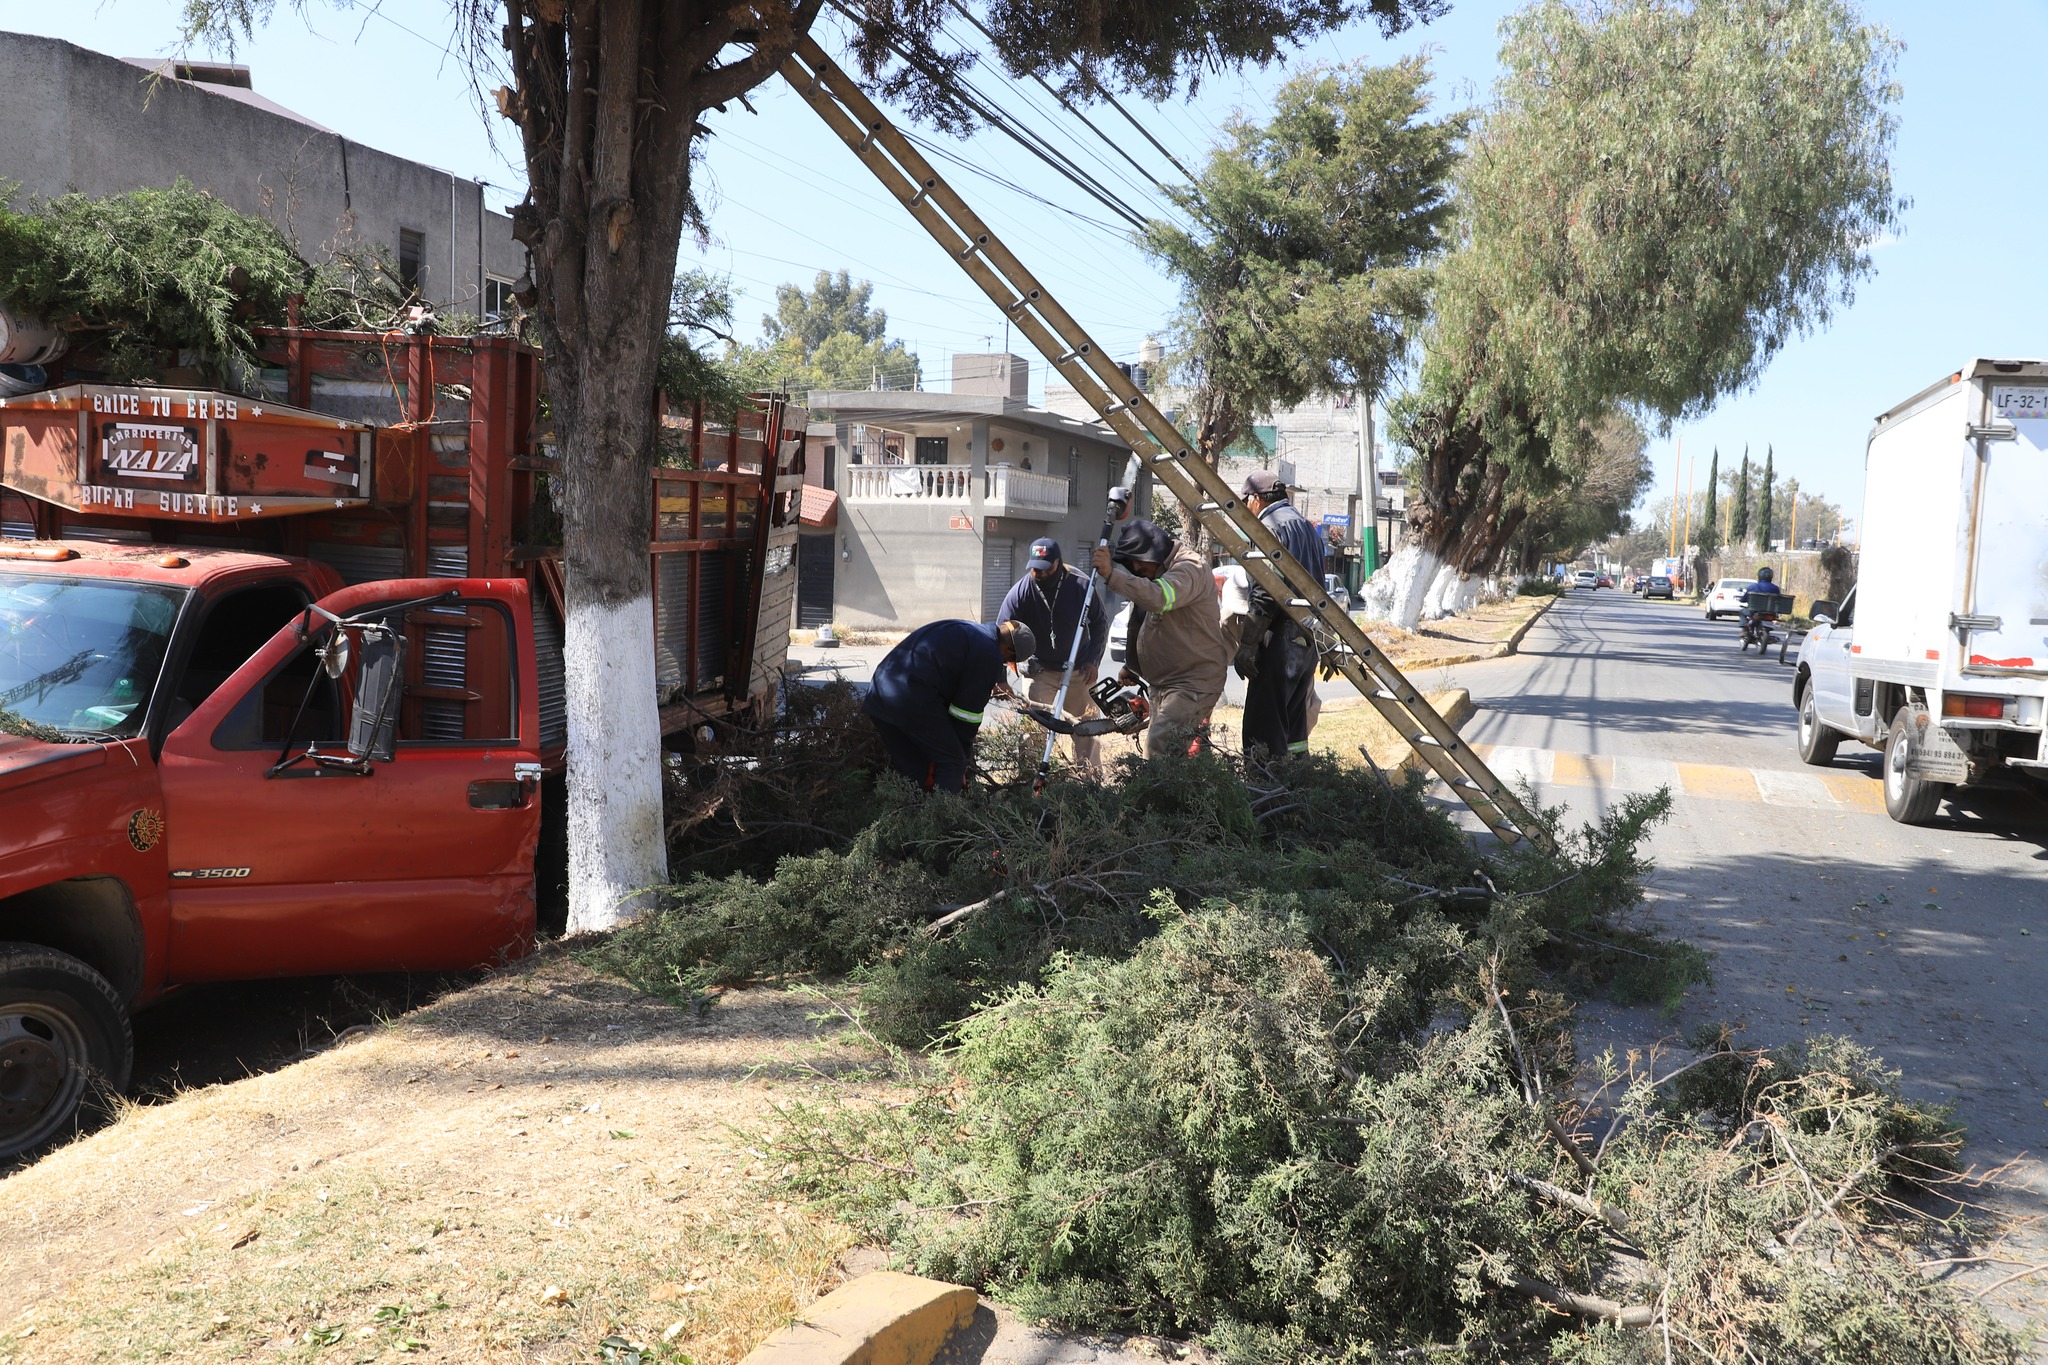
{"x":1763,"y":516}
{"x":1710,"y":538}
{"x":1738,"y":527}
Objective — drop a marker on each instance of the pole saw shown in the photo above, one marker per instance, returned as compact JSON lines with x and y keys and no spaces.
{"x":1126,"y":718}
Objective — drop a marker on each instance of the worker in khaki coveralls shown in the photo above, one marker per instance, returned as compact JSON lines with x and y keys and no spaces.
{"x":1176,"y":642}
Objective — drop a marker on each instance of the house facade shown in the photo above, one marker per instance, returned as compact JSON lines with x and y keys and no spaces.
{"x":83,"y":121}
{"x":936,"y":497}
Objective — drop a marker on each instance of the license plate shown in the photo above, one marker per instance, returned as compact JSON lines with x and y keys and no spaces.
{"x":2016,"y":402}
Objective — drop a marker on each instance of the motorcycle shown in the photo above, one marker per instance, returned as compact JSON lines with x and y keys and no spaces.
{"x":1764,"y":611}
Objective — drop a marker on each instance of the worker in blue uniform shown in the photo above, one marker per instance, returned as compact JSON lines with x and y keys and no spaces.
{"x":1276,"y":657}
{"x":930,"y":691}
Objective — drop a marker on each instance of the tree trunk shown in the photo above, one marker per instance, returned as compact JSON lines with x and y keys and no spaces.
{"x":1438,"y":510}
{"x":609,"y":92}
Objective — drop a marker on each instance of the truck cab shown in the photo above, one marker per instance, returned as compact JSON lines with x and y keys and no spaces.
{"x":193,"y":788}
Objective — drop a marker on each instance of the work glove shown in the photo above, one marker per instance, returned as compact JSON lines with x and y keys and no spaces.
{"x":1247,"y":661}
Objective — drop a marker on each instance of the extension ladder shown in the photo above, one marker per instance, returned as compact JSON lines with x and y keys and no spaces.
{"x":1161,"y":448}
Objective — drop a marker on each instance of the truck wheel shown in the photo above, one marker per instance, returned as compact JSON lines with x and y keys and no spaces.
{"x":64,"y":1043}
{"x":1817,"y":743}
{"x":1907,"y":799}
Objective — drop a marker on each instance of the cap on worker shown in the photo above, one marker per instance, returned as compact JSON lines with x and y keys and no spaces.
{"x":1023,"y":641}
{"x":1045,"y":553}
{"x":1262,"y":483}
{"x":1139,"y":541}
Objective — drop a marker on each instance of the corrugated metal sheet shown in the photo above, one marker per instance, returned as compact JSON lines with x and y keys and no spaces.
{"x":554,"y":689}
{"x":998,"y":573}
{"x":445,"y":652}
{"x":17,"y":530}
{"x":359,"y":563}
{"x":714,"y":627}
{"x":672,"y":623}
{"x":103,"y":536}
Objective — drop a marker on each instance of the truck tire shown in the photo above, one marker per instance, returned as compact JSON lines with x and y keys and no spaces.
{"x":1907,"y":799}
{"x":64,"y":1045}
{"x":1817,"y":743}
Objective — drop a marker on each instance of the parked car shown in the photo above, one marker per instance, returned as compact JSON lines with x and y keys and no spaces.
{"x":1658,"y":586}
{"x":1604,"y":581}
{"x":1726,"y":598}
{"x":1339,"y":594}
{"x":1585,"y":578}
{"x":1638,"y":582}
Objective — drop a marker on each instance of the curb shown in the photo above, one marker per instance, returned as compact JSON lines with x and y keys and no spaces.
{"x":1498,"y":650}
{"x":1514,"y":640}
{"x":885,"y":1318}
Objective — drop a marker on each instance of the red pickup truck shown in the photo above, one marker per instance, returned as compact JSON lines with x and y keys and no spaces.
{"x":280,"y":681}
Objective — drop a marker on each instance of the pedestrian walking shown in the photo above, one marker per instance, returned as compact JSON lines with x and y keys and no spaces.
{"x":1175,"y":642}
{"x":1049,"y":599}
{"x":929,"y":694}
{"x":1275,"y":656}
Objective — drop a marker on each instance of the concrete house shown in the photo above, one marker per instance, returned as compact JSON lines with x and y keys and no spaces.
{"x":81,"y":120}
{"x":936,"y":497}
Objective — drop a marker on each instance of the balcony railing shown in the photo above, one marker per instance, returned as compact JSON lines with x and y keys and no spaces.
{"x":1005,"y":491}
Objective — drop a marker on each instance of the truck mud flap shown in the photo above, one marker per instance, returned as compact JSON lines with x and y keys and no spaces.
{"x":1937,"y":758}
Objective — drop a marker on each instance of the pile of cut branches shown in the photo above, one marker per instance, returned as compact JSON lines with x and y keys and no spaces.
{"x":932,"y":904}
{"x":1229,"y":1134}
{"x":1275,"y":1056}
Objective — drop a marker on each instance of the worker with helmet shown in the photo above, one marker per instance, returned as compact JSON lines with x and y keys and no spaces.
{"x":1175,"y":642}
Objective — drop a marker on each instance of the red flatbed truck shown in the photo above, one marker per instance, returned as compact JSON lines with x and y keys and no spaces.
{"x":285,"y":675}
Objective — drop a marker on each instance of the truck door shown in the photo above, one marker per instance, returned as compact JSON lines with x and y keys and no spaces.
{"x":2009,"y":557}
{"x":420,"y":863}
{"x":1834,"y":687}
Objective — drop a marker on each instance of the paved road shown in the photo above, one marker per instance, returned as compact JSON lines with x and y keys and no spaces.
{"x":1929,"y":945}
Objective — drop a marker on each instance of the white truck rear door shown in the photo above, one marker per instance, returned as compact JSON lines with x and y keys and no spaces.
{"x":2010,"y":582}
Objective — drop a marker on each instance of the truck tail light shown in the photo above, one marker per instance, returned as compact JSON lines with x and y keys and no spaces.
{"x":1975,"y":708}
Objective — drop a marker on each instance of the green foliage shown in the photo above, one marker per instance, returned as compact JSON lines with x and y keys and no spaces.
{"x":1708,"y":537}
{"x":1660,"y":196}
{"x":1370,"y":868}
{"x":143,"y":276}
{"x":1738,"y":509}
{"x":699,"y":308}
{"x":1764,"y":516}
{"x":1538,"y":585}
{"x":1307,"y":262}
{"x":826,"y":337}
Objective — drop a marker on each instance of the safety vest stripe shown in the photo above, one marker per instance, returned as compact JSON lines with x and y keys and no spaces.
{"x":1166,"y":591}
{"x":971,"y":717}
{"x":1299,"y":746}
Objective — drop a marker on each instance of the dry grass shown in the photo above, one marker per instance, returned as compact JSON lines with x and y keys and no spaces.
{"x":516,"y":1173}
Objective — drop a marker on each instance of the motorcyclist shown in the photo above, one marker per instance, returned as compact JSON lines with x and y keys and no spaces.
{"x":1765,"y":586}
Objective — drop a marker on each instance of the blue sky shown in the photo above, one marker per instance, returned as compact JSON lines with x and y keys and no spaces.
{"x":785,"y":199}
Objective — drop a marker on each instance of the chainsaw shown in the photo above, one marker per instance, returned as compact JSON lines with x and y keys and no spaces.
{"x":1126,"y":709}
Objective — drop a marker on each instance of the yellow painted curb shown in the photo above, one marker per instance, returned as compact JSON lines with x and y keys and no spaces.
{"x":881,"y":1319}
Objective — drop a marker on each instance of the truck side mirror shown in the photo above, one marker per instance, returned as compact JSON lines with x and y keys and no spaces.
{"x":1824,"y":612}
{"x":380,"y":682}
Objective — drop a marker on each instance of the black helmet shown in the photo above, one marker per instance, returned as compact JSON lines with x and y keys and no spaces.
{"x":1140,"y":541}
{"x":1764,"y":575}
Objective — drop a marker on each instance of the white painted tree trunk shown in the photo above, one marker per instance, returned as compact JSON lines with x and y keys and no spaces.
{"x":1452,"y":592}
{"x":1395,"y":593}
{"x":617,"y":852}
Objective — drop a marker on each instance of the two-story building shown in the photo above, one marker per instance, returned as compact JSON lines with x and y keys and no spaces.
{"x":929,"y":502}
{"x":83,"y":121}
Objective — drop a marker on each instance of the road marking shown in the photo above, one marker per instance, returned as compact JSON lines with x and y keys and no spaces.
{"x":1855,"y":791}
{"x":1715,"y":782}
{"x":1581,"y":770}
{"x":1814,"y":790}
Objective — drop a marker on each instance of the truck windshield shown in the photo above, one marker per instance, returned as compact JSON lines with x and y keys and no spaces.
{"x":83,"y":655}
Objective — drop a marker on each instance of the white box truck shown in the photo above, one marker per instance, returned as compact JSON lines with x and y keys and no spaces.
{"x":1939,"y":655}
